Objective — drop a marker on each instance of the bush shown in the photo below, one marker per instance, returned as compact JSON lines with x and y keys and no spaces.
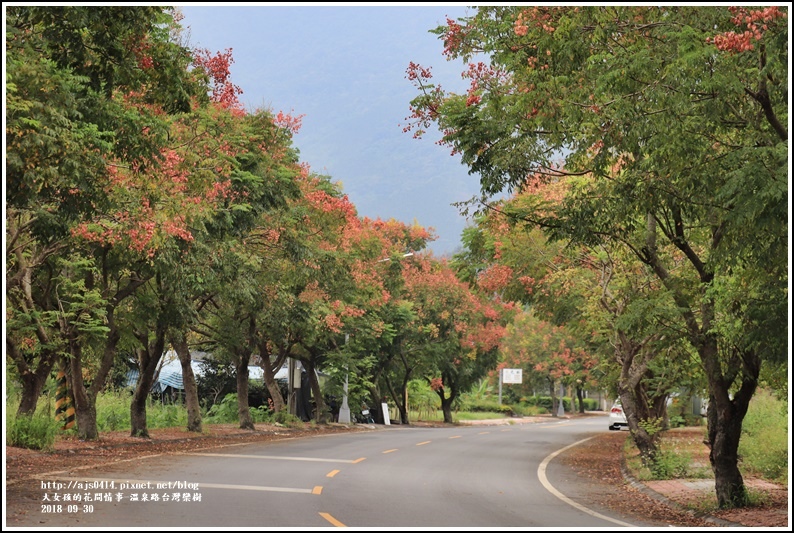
{"x":546,"y":403}
{"x":590,"y":404}
{"x":288,"y":420}
{"x":36,"y":432}
{"x":224,"y":412}
{"x":485,"y":406}
{"x":670,"y":465}
{"x":532,"y":410}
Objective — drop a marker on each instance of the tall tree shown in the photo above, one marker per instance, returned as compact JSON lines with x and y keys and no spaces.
{"x":459,"y":329}
{"x":73,"y":121}
{"x":674,"y":117}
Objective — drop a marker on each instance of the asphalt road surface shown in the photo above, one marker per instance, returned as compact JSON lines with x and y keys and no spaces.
{"x":391,"y":477}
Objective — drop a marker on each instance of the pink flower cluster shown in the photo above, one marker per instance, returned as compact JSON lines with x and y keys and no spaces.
{"x":756,"y":22}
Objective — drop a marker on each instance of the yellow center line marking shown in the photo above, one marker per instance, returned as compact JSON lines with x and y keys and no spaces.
{"x":483,"y":432}
{"x":332,"y":473}
{"x":422,"y":443}
{"x":317,"y":490}
{"x":504,"y":430}
{"x":333,"y":520}
{"x":389,"y":451}
{"x":455,"y":437}
{"x":358,"y":460}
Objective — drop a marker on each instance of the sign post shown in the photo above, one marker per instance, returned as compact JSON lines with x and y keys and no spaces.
{"x":508,"y":375}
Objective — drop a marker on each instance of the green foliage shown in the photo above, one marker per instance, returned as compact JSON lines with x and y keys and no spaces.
{"x":545,"y":402}
{"x":288,"y":420}
{"x":159,"y":415}
{"x":763,"y":446}
{"x":36,"y":432}
{"x":652,"y":426}
{"x":113,"y":410}
{"x":224,"y":412}
{"x":677,"y":421}
{"x":489,"y":406}
{"x":590,"y":404}
{"x":527,"y":409}
{"x":668,"y":464}
{"x":421,"y":397}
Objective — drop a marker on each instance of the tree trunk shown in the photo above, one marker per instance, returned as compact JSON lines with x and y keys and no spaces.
{"x":189,"y":383}
{"x":647,"y":443}
{"x":580,"y":397}
{"x":725,"y":416}
{"x":86,"y":418}
{"x":32,"y":385}
{"x":32,"y":380}
{"x":269,"y":368}
{"x":243,"y":410}
{"x":321,"y":414}
{"x":402,"y":405}
{"x":149,"y":355}
{"x":446,"y":408}
{"x":84,"y":399}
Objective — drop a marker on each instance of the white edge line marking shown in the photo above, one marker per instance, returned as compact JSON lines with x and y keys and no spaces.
{"x":545,"y":482}
{"x":276,"y":457}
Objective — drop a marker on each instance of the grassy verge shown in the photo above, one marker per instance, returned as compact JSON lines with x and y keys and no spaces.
{"x":763,"y":448}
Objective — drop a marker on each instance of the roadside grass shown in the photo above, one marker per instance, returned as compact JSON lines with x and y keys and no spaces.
{"x":682,"y":455}
{"x":763,"y":448}
{"x":457,"y":416}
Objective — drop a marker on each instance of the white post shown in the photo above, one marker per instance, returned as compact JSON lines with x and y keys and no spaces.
{"x":560,"y":406}
{"x":344,"y":410}
{"x":500,"y":386}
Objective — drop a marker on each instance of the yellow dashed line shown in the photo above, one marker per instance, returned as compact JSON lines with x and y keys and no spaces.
{"x":332,"y":473}
{"x":455,"y":437}
{"x":483,"y":432}
{"x":389,"y":451}
{"x":317,"y":490}
{"x":333,"y":520}
{"x":359,"y":460}
{"x":504,"y":430}
{"x":422,"y":443}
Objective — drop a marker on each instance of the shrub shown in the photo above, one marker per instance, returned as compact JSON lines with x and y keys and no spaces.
{"x":224,"y":412}
{"x":670,"y":465}
{"x":36,"y":432}
{"x":487,"y":406}
{"x":288,"y":420}
{"x":532,"y":410}
{"x":546,"y":403}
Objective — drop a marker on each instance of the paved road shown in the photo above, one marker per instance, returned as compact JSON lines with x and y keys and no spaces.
{"x":392,"y":477}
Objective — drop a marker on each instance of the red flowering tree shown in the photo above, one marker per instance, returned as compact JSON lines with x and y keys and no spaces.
{"x":672,"y":116}
{"x":457,"y":329}
{"x":91,"y":91}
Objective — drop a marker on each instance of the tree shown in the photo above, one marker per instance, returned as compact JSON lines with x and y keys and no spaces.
{"x":89,"y":93}
{"x":673,"y":117}
{"x":458,"y":329}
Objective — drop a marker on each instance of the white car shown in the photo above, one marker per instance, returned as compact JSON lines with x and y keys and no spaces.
{"x":617,"y":418}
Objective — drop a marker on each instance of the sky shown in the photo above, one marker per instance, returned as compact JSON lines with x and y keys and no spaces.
{"x":343,"y":67}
